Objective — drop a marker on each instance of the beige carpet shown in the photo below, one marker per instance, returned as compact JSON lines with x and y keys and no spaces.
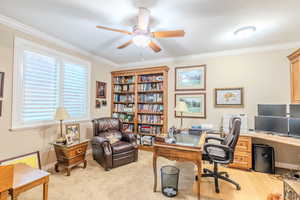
{"x":129,"y":182}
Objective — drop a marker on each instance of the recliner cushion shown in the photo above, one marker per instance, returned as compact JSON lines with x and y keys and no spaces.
{"x":121,"y":146}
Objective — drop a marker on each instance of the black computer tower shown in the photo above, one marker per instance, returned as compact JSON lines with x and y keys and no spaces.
{"x":263,"y":158}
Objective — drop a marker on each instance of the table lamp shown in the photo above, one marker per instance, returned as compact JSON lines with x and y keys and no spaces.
{"x":181,"y":107}
{"x":60,"y":115}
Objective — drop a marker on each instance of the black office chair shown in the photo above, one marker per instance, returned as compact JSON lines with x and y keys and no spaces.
{"x":222,"y":153}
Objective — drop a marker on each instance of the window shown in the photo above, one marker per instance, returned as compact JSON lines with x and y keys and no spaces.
{"x":44,"y":80}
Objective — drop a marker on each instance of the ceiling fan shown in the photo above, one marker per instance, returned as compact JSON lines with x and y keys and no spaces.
{"x":142,"y":35}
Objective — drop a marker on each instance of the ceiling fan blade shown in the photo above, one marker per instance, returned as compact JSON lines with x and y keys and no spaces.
{"x":125,"y":45}
{"x":115,"y":30}
{"x":154,"y":47}
{"x":166,"y":34}
{"x":143,"y":19}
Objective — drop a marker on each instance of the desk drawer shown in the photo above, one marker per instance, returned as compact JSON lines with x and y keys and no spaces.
{"x":76,"y":151}
{"x":244,"y":144}
{"x":242,"y":160}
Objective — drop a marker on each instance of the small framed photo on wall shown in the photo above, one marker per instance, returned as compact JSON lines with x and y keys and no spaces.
{"x":1,"y":84}
{"x":195,"y":105}
{"x":190,"y":78}
{"x":229,"y":97}
{"x":98,"y":104}
{"x":100,"y":89}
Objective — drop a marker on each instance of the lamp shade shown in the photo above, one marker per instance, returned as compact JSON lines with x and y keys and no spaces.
{"x":61,"y":114}
{"x":181,"y":107}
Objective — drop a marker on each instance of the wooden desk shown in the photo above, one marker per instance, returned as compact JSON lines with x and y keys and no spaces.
{"x":6,"y":180}
{"x":26,"y":178}
{"x":182,"y":153}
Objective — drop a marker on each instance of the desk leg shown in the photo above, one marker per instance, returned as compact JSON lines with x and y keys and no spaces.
{"x":154,"y":170}
{"x":199,"y":166}
{"x":45,"y":191}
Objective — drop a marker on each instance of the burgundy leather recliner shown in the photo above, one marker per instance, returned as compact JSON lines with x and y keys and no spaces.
{"x":111,"y":146}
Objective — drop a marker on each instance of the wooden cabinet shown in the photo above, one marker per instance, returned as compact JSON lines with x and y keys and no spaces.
{"x":295,"y":76}
{"x":69,"y":156}
{"x":243,"y":154}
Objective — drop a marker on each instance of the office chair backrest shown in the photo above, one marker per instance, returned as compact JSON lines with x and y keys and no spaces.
{"x":228,"y":137}
{"x":233,"y":136}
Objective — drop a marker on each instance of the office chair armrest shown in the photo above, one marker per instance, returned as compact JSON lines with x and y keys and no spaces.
{"x":213,"y":138}
{"x":227,"y":150}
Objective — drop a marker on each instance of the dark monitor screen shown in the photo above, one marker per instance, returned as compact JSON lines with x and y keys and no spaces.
{"x":294,"y":124}
{"x":272,"y":124}
{"x":295,"y":110}
{"x":278,"y":110}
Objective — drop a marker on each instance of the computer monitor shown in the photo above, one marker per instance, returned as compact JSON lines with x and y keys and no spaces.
{"x":278,"y":110}
{"x":294,"y":125}
{"x":295,"y":110}
{"x":272,"y":124}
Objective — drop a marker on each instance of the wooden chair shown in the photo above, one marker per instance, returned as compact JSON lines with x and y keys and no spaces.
{"x":6,"y":180}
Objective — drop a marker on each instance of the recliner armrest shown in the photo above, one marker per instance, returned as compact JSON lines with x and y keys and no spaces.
{"x":129,"y":137}
{"x":99,"y":140}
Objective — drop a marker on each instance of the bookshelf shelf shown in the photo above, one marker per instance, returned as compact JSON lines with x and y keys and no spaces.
{"x":157,"y":91}
{"x":143,"y":92}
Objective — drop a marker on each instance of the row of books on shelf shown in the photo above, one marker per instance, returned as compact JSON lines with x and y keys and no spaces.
{"x":149,"y":78}
{"x":124,"y":108}
{"x":123,"y":98}
{"x":146,"y":140}
{"x":124,"y":88}
{"x":124,"y":79}
{"x":148,"y":129}
{"x":151,"y":98}
{"x":123,"y":117}
{"x":153,"y":119}
{"x":150,"y":108}
{"x":150,"y":87}
{"x":129,"y":128}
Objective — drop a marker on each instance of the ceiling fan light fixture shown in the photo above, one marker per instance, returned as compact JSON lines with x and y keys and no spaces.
{"x":141,"y":40}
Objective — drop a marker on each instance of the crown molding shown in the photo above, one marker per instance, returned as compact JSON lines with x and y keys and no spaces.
{"x":234,"y":52}
{"x":12,"y":23}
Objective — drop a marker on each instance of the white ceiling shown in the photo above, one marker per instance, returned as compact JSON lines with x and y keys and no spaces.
{"x":209,"y":24}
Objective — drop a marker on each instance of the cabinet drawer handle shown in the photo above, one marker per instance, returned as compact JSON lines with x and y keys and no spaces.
{"x":79,"y":151}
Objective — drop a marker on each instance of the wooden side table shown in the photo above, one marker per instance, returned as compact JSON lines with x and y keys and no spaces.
{"x":26,"y":178}
{"x":6,"y":180}
{"x":69,"y":156}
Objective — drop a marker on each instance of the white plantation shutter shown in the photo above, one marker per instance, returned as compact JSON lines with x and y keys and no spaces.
{"x":75,"y":91}
{"x":45,"y":79}
{"x":40,"y":88}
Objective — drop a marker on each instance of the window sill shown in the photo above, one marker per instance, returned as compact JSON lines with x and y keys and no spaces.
{"x":42,"y":126}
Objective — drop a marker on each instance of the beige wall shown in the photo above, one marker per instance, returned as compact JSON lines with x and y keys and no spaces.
{"x":13,"y":143}
{"x":264,"y":76}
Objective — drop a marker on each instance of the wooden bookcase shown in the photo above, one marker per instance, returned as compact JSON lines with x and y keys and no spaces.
{"x":140,"y":100}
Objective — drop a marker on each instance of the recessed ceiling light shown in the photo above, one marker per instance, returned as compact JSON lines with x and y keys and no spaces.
{"x":245,"y":32}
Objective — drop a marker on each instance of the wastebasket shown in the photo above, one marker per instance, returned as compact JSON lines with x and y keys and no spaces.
{"x":169,"y":180}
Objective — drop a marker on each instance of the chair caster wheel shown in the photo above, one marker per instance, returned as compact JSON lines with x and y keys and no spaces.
{"x":217,"y":191}
{"x":226,"y":175}
{"x":238,"y":187}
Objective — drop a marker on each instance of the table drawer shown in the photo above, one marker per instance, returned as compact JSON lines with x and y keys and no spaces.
{"x":244,"y":144}
{"x":76,"y":151}
{"x":242,"y":160}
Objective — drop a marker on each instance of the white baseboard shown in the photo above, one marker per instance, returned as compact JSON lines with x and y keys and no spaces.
{"x":287,"y":166}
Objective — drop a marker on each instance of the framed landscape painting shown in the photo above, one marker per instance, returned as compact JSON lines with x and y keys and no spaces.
{"x":229,"y":97}
{"x":195,"y":102}
{"x":190,"y":78}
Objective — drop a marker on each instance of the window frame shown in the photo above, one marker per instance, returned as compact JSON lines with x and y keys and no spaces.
{"x":21,"y":45}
